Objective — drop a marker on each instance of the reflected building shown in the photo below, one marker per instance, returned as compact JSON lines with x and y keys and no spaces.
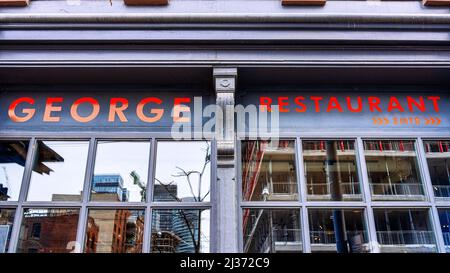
{"x":272,"y":231}
{"x":393,"y":170}
{"x":164,"y":192}
{"x":164,"y":239}
{"x":174,"y":230}
{"x":48,"y":231}
{"x":438,"y":158}
{"x":330,"y":170}
{"x":269,"y":172}
{"x":404,"y":230}
{"x":186,"y":224}
{"x":338,"y":230}
{"x":6,"y":222}
{"x":114,"y":231}
{"x":109,"y":187}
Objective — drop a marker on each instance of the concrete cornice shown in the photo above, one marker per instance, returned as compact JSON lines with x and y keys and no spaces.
{"x":187,"y":18}
{"x":353,"y":13}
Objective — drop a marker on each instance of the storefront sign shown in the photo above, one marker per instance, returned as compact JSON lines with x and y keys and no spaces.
{"x":324,"y":111}
{"x":155,"y":111}
{"x":160,"y":111}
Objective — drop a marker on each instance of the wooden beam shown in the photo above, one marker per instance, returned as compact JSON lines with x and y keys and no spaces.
{"x":303,"y":2}
{"x":14,"y":3}
{"x":436,"y":3}
{"x":146,"y":2}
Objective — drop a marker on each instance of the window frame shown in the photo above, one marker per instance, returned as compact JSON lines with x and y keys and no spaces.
{"x":366,"y":203}
{"x":85,"y":204}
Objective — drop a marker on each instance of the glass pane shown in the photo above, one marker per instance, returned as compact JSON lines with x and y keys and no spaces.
{"x":180,"y":231}
{"x":121,"y":171}
{"x":13,"y":155}
{"x":114,"y":231}
{"x":183,"y":171}
{"x":404,"y":230}
{"x":331,"y":170}
{"x":269,"y":171}
{"x":48,"y":231}
{"x":393,"y":170}
{"x":6,"y":224}
{"x":58,"y":171}
{"x":444,"y":218}
{"x":338,"y":230}
{"x":438,"y":158}
{"x":272,"y":231}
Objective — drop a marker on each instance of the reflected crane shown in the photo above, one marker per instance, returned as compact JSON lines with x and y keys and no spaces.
{"x":137,"y":181}
{"x":4,"y":187}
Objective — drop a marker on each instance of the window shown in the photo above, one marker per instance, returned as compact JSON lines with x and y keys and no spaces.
{"x":338,"y":230}
{"x":183,"y":171}
{"x":121,"y":171}
{"x":36,"y":231}
{"x":180,"y":231}
{"x":393,"y":170}
{"x":13,"y":155}
{"x":444,"y":218}
{"x":404,"y":230}
{"x":114,"y":231}
{"x":438,"y":158}
{"x":58,"y":171}
{"x":331,"y":171}
{"x":269,"y":171}
{"x":6,"y":224}
{"x":48,"y":230}
{"x":272,"y":230}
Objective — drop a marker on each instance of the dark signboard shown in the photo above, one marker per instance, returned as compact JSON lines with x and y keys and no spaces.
{"x":101,"y":110}
{"x":160,"y":111}
{"x":351,"y":111}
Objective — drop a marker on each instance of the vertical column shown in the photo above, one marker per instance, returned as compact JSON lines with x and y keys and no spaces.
{"x":31,"y":155}
{"x":86,"y":195}
{"x":303,"y":196}
{"x":365,"y":183}
{"x":227,"y":202}
{"x":331,"y":170}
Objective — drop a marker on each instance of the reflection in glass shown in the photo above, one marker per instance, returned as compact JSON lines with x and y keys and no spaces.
{"x":271,"y":231}
{"x":6,"y":224}
{"x":58,"y":172}
{"x":114,"y":231}
{"x":438,"y":158}
{"x":444,"y":218}
{"x":180,"y":231}
{"x":268,"y":171}
{"x":330,"y":170}
{"x":183,"y":171}
{"x":48,"y":231}
{"x":404,"y":230}
{"x":121,"y":171}
{"x":13,"y":155}
{"x":338,"y":230}
{"x":393,"y":170}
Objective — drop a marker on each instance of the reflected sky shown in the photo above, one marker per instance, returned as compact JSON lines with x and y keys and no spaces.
{"x":12,"y":160}
{"x":65,"y":181}
{"x":189,"y":156}
{"x":11,"y":177}
{"x":122,"y":158}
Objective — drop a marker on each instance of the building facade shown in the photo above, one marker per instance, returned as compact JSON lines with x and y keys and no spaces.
{"x":254,"y":126}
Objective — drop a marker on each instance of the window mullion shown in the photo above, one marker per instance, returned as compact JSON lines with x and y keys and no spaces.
{"x":22,"y":197}
{"x":82,"y":222}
